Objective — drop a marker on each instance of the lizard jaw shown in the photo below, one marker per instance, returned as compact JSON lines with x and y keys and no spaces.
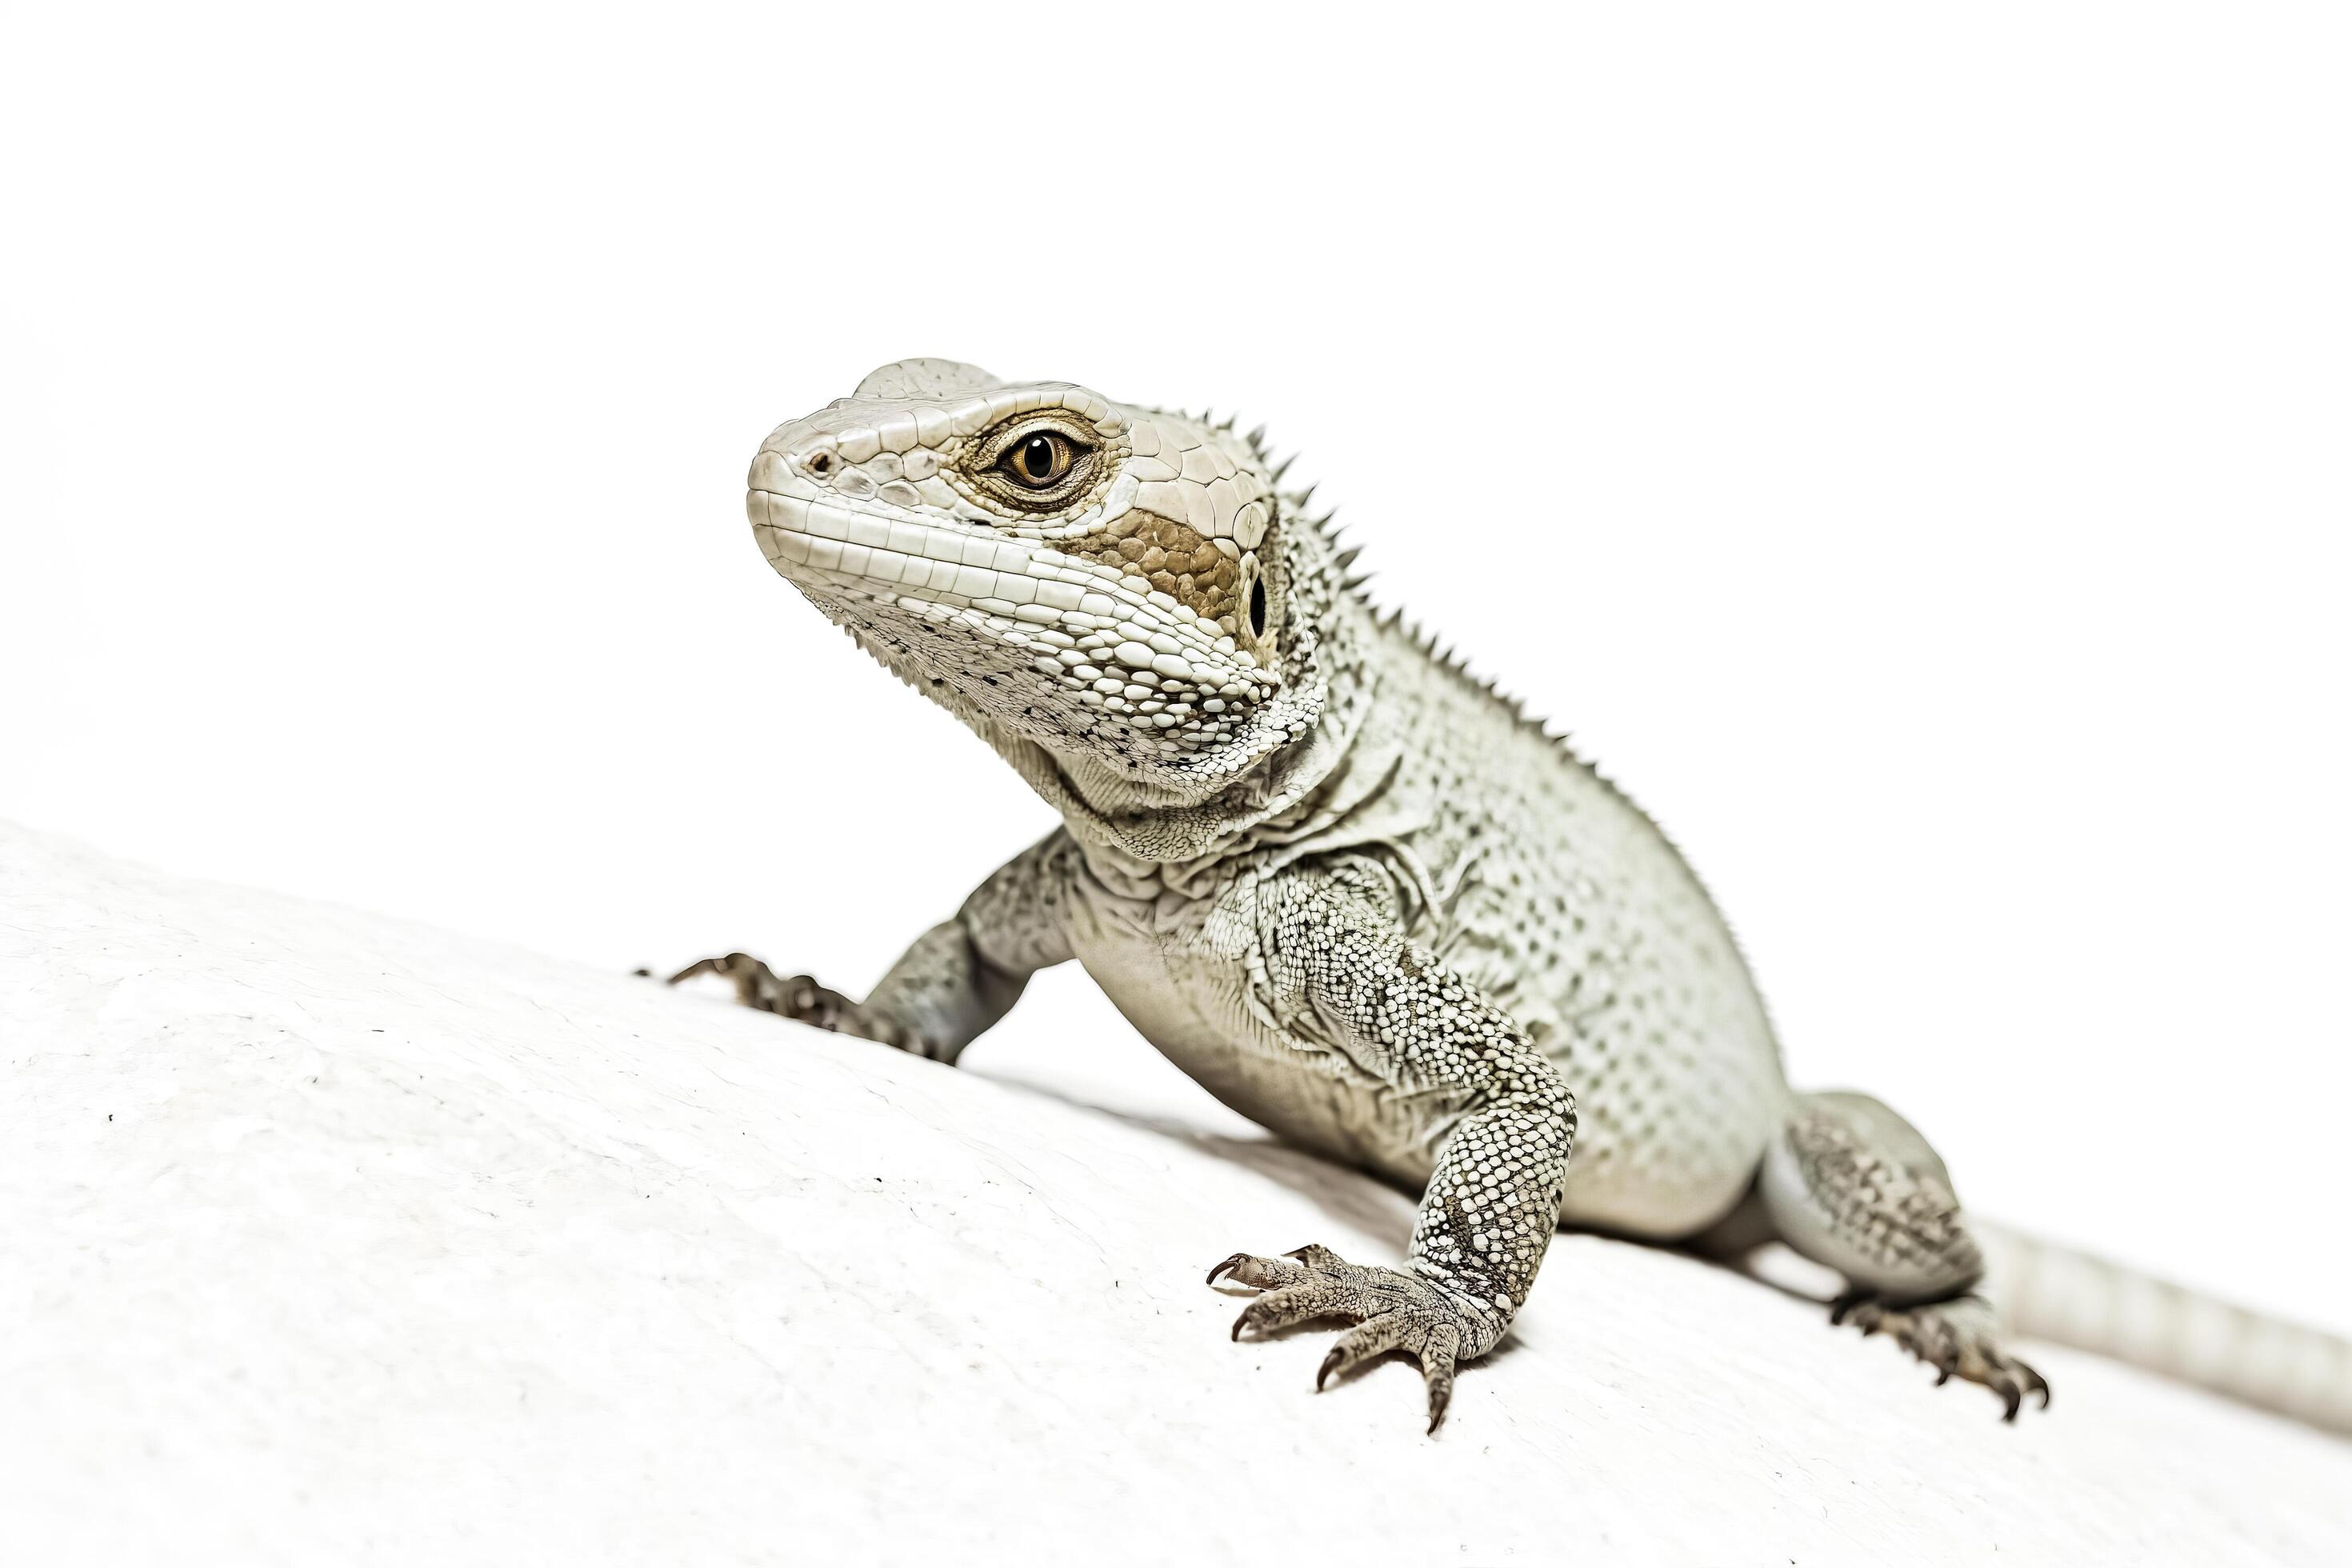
{"x":1018,"y":625}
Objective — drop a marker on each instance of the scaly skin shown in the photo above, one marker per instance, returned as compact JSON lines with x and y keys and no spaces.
{"x":1355,"y":894}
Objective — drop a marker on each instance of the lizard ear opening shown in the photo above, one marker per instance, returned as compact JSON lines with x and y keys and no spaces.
{"x":1256,"y":610}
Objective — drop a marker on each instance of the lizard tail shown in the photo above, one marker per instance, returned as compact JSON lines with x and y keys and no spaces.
{"x":2049,"y":1293}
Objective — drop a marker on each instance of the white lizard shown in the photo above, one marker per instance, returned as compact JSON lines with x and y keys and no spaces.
{"x":1366,"y":902}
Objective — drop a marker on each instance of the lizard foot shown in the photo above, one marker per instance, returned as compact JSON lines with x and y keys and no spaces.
{"x":799,"y":997}
{"x":1957,"y":1338}
{"x":1396,"y":1310}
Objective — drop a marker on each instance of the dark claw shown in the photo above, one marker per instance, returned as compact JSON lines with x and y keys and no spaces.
{"x":1438,"y":1400}
{"x":1237,"y":1325}
{"x":699,"y":966}
{"x":1329,"y":1362}
{"x":2010,"y":1397}
{"x":1236,"y":1261}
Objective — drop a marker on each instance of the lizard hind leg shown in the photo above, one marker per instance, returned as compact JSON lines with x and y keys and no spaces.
{"x":1851,"y":1184}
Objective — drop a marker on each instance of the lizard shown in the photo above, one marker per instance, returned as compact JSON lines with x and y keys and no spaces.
{"x":1354,"y":892}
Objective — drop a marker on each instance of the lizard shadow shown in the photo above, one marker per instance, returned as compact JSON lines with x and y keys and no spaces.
{"x":1349,"y":1197}
{"x":1387,"y":1212}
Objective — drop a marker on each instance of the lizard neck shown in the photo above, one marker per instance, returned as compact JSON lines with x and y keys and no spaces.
{"x":1139,"y":823}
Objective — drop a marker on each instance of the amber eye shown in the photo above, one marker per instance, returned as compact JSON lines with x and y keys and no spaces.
{"x":1037,"y":461}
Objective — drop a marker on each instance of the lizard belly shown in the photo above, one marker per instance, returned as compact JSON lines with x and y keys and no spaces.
{"x":1194,"y":1008}
{"x":1672,"y":1119}
{"x":1667,"y":1143}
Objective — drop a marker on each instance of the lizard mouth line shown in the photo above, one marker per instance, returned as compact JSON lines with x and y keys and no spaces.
{"x":801,"y":537}
{"x":895,"y":558}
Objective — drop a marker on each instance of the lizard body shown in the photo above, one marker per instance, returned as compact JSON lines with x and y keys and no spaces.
{"x":1355,"y":894}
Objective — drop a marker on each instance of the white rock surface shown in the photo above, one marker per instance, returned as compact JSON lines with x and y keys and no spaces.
{"x":330,"y":1238}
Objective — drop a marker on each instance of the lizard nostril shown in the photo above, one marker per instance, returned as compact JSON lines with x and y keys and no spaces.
{"x":821,"y":465}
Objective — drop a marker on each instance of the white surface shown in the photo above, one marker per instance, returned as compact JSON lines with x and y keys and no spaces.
{"x":332,"y":1239}
{"x":1929,"y":495}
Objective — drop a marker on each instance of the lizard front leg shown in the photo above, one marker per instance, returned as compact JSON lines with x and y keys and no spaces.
{"x":1342,"y":974}
{"x":958,"y":978}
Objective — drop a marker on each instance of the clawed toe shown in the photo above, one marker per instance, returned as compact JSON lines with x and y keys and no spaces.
{"x":800,"y":998}
{"x":702,"y":966}
{"x":1258,"y":1273}
{"x":1437,"y":1371}
{"x":1395,"y":1311}
{"x":1292,"y":1304}
{"x":758,"y":986}
{"x":2031,"y":1382}
{"x":1373,"y":1337}
{"x":1956,"y":1338}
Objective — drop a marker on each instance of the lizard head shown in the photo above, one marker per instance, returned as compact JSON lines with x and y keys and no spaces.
{"x":1111,"y":584}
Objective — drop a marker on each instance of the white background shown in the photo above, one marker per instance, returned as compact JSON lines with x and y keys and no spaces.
{"x":1908,"y":449}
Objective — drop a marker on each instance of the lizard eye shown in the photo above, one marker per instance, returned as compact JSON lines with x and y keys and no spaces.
{"x":1040,"y":462}
{"x":1037,"y":461}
